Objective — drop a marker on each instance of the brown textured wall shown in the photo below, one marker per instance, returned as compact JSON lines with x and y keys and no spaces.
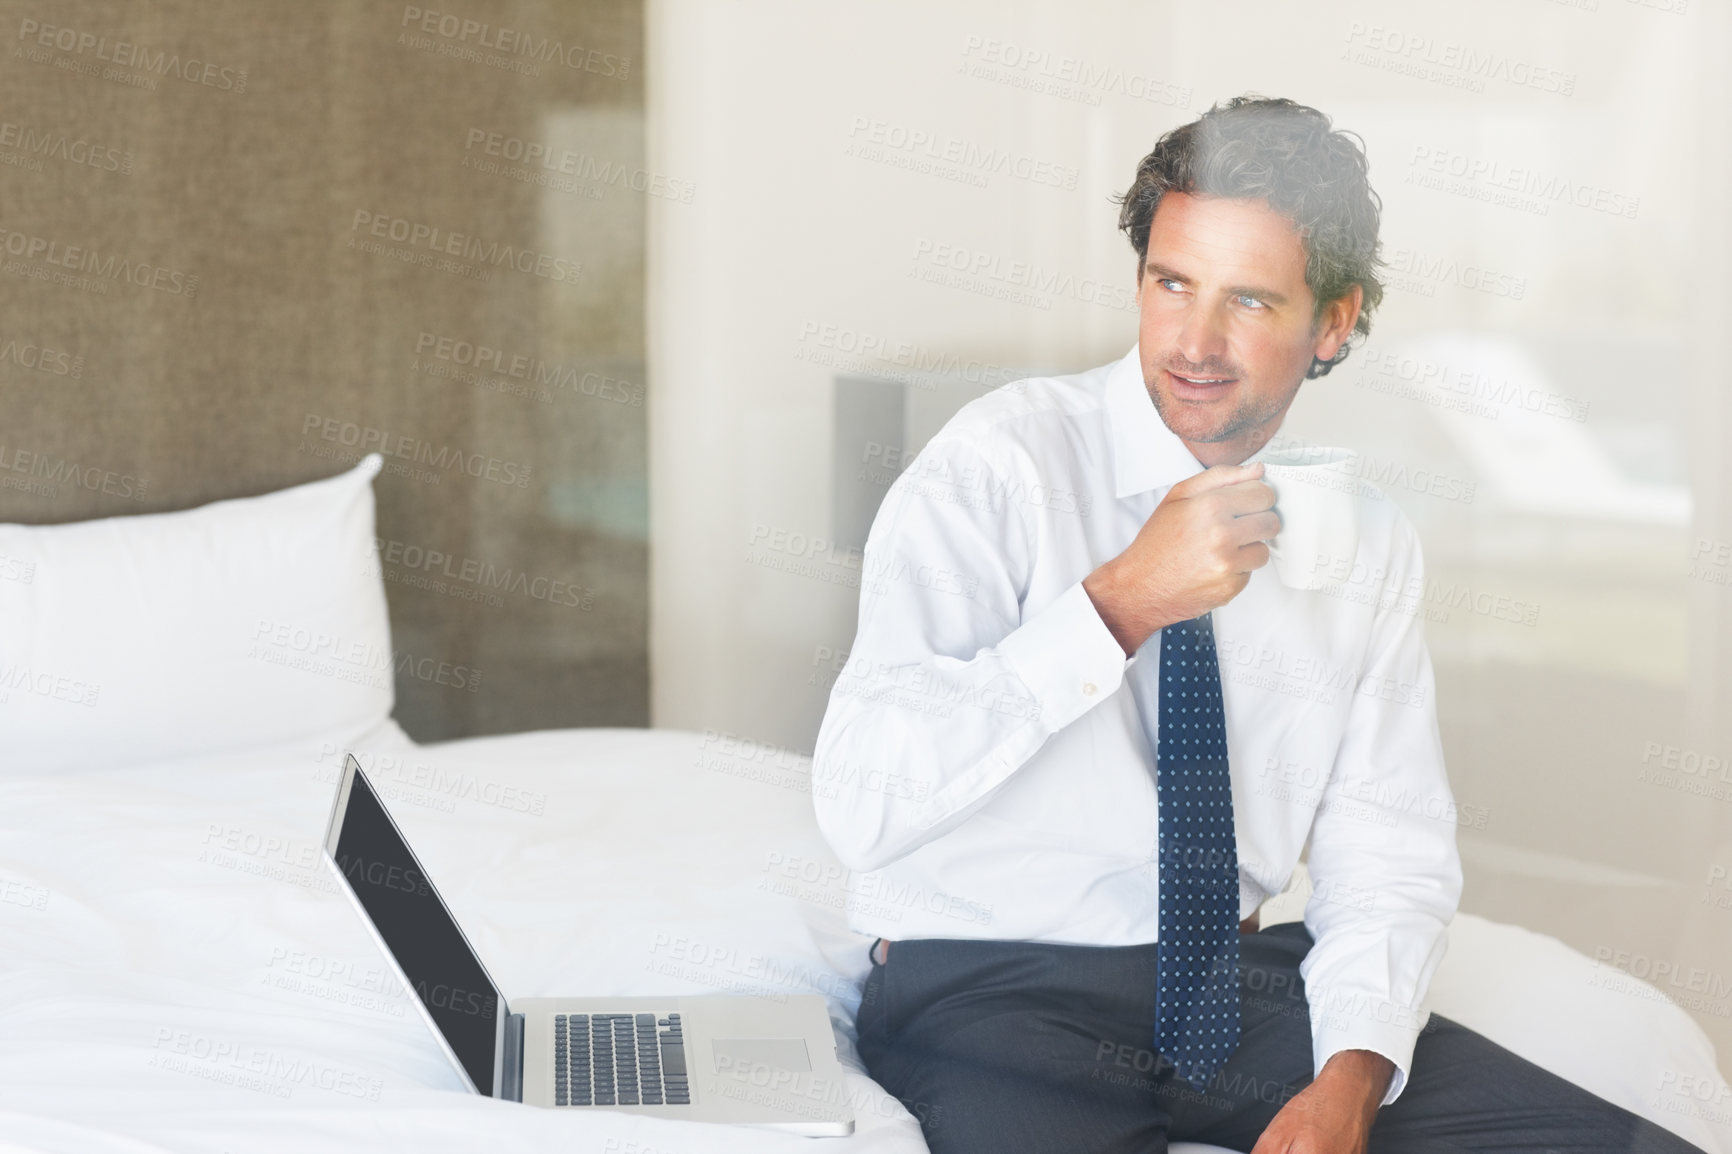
{"x":232,"y":323}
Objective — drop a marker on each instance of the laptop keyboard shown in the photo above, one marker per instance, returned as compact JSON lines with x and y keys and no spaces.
{"x":619,"y":1060}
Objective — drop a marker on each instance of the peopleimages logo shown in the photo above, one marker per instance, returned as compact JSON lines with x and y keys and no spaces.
{"x":39,"y":143}
{"x":47,"y":683}
{"x":357,"y":661}
{"x":462,"y":32}
{"x":525,"y":367}
{"x":1384,"y":475}
{"x":1426,"y":268}
{"x":927,"y":150}
{"x":46,"y":474}
{"x":1491,"y":173}
{"x":467,"y":246}
{"x":368,"y":439}
{"x":122,"y":54}
{"x":568,"y":162}
{"x":1066,"y":77}
{"x":42,"y":359}
{"x":841,"y":347}
{"x":379,"y":875}
{"x":106,"y":266}
{"x":253,"y":1067}
{"x":439,"y":996}
{"x":1466,"y":66}
{"x":483,"y":574}
{"x":1016,"y":281}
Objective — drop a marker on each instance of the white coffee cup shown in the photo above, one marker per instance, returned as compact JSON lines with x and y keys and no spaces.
{"x":1317,"y":495}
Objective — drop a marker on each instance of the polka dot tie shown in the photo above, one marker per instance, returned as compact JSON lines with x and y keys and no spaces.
{"x":1197,"y":996}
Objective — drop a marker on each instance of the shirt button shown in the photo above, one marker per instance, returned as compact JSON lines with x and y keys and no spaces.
{"x":1088,"y":689}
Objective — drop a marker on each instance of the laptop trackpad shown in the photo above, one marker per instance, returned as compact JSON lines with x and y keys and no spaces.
{"x":734,"y":1054}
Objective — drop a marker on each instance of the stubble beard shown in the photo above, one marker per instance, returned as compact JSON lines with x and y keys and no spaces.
{"x":1191,"y":422}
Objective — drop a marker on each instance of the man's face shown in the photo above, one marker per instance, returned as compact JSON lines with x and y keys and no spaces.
{"x":1228,"y":326}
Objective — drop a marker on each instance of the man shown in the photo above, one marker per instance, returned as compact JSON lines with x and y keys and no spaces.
{"x":1083,"y":733}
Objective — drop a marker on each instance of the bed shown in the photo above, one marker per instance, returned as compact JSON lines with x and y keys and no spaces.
{"x":178,"y":971}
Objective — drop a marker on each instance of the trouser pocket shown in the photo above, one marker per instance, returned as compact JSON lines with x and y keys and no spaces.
{"x":871,"y":1023}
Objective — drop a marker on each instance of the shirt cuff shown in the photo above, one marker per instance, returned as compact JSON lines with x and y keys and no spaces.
{"x":1382,"y":1027}
{"x":1066,"y":656}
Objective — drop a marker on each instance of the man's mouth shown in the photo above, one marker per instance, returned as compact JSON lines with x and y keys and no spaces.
{"x":1197,"y":388}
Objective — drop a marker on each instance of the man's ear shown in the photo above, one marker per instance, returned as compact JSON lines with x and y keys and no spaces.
{"x":1336,"y":323}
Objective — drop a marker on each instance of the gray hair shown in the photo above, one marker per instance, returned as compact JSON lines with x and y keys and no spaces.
{"x":1272,"y":149}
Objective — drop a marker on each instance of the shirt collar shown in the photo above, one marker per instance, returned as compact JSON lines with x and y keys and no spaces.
{"x":1146,"y":454}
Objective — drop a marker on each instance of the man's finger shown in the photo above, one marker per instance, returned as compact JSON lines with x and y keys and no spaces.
{"x":1256,"y":526}
{"x":1215,"y":477}
{"x":1252,"y":556}
{"x":1247,"y":497}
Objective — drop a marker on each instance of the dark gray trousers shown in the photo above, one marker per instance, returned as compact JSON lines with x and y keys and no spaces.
{"x":1013,"y":1047}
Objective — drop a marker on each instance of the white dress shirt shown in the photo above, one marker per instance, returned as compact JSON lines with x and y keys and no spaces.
{"x":982,"y":767}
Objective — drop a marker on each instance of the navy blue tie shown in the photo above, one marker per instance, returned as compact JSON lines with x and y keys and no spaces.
{"x":1197,"y":997}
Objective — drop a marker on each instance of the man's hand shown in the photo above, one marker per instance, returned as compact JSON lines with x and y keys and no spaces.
{"x":1332,"y":1115}
{"x":1194,"y":553}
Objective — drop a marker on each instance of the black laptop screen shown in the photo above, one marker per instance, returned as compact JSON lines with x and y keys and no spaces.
{"x":419,"y":930}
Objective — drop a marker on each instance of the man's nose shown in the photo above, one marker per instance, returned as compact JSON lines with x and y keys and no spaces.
{"x":1202,"y":336}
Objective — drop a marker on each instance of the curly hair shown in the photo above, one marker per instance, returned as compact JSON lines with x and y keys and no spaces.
{"x":1273,"y":149}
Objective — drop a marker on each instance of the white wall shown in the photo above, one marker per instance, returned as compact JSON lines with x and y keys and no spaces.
{"x":1611,"y":311}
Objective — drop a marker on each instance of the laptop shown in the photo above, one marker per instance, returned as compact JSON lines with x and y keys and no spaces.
{"x":767,"y":1062}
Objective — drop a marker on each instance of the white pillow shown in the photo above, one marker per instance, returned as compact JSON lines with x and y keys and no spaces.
{"x":238,"y":624}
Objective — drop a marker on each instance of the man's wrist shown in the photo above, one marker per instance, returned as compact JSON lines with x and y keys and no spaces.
{"x":1111,"y":594}
{"x":1363,"y":1073}
{"x":1103,"y":591}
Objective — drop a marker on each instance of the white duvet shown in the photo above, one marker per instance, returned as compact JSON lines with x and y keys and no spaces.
{"x":178,"y":971}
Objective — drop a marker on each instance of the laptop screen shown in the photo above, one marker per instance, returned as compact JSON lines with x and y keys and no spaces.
{"x":419,"y":931}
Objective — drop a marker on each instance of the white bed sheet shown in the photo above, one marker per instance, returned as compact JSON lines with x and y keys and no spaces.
{"x":178,"y":971}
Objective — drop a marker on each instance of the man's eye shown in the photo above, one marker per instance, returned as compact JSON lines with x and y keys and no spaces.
{"x":1170,"y":285}
{"x":1250,"y":302}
